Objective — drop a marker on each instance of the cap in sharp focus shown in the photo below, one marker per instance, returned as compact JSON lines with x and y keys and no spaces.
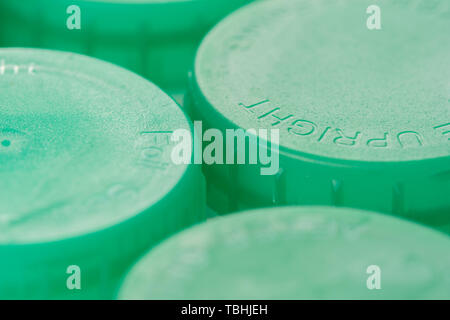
{"x":363,"y":115}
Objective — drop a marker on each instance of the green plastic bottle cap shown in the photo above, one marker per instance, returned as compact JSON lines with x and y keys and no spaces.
{"x":296,"y":253}
{"x":364,"y":115}
{"x":85,"y":172}
{"x":156,"y":38}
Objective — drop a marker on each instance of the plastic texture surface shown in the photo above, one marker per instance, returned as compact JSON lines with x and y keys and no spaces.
{"x":295,"y":253}
{"x":85,"y":172}
{"x":364,"y":116}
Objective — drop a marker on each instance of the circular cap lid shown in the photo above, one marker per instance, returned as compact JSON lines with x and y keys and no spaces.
{"x":337,"y":91}
{"x":296,"y":253}
{"x":84,"y":145}
{"x":86,"y":172}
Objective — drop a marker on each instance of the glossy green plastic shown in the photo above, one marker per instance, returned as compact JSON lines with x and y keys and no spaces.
{"x":364,"y":115}
{"x":86,"y":177}
{"x":296,"y":253}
